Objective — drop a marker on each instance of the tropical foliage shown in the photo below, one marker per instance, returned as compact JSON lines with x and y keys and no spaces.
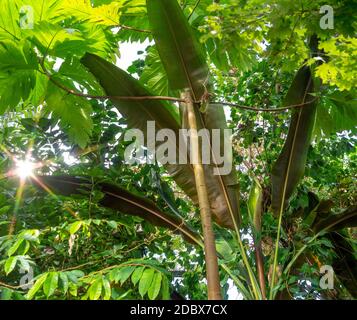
{"x":78,"y":222}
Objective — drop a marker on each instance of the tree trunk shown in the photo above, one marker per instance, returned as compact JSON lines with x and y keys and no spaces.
{"x":212,"y":273}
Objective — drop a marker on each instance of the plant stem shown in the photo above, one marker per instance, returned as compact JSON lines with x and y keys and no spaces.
{"x":260,"y":267}
{"x":276,"y":251}
{"x":257,"y":109}
{"x":241,"y":288}
{"x":212,"y":273}
{"x":252,"y":278}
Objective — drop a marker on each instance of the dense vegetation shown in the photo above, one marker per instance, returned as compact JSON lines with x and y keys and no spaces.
{"x":78,"y":222}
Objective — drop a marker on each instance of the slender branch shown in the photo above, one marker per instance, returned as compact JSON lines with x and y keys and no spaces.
{"x":5,"y":285}
{"x":133,"y":29}
{"x":2,"y":284}
{"x":260,"y":266}
{"x":80,"y":265}
{"x":256,"y":219}
{"x":256,"y":109}
{"x":105,"y":97}
{"x":164,"y":98}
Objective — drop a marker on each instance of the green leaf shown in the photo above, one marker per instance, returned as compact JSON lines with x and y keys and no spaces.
{"x":18,"y":67}
{"x":138,"y":113}
{"x":10,"y":264}
{"x":179,"y":50}
{"x":224,"y":249}
{"x":17,"y":57}
{"x":154,"y":75}
{"x":49,"y":37}
{"x":155,"y":286}
{"x":223,"y":188}
{"x":124,"y":295}
{"x":135,"y":277}
{"x":5,"y":209}
{"x":45,"y":10}
{"x":290,"y":166}
{"x":255,"y":205}
{"x":38,"y":284}
{"x":107,"y":289}
{"x":145,"y":281}
{"x":73,"y":290}
{"x":74,"y":275}
{"x":336,"y":112}
{"x":73,"y":112}
{"x":64,"y":281}
{"x":95,"y":290}
{"x":125,"y":273}
{"x":165,"y":289}
{"x":50,"y":284}
{"x":10,"y":13}
{"x":75,"y":226}
{"x":14,"y":247}
{"x":6,"y":294}
{"x":112,"y":224}
{"x":73,"y":70}
{"x":186,"y":68}
{"x":134,"y":15}
{"x":38,"y":93}
{"x":25,"y":248}
{"x":106,"y":14}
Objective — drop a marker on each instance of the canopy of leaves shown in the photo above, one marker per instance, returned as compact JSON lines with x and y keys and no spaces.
{"x":134,"y":232}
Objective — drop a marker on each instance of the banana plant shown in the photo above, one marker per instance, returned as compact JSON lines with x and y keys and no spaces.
{"x":186,"y":69}
{"x":188,"y":75}
{"x":289,"y":168}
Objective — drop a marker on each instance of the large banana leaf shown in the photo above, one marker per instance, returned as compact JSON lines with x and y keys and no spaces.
{"x":335,"y":222}
{"x":180,"y":53}
{"x":137,"y":113}
{"x":290,"y":166}
{"x":186,"y":68}
{"x":120,"y":200}
{"x":116,"y":82}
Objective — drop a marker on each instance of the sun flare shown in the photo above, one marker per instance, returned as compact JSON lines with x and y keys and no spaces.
{"x":24,"y":168}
